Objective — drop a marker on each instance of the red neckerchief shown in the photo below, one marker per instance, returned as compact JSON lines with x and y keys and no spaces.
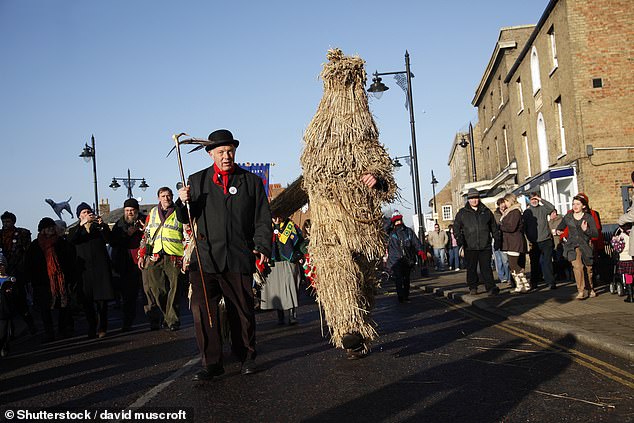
{"x":221,"y":178}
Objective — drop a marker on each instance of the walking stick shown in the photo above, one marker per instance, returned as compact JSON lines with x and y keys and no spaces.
{"x":191,"y":225}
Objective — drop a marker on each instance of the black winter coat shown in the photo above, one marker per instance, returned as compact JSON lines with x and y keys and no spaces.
{"x":36,"y":264}
{"x":93,"y":262}
{"x":474,"y":229}
{"x":230,"y":226}
{"x":122,"y":243}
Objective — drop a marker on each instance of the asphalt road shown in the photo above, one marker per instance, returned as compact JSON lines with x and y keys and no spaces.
{"x":434,"y":362}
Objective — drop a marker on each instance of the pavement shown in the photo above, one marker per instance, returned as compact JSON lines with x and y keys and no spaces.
{"x":605,"y":322}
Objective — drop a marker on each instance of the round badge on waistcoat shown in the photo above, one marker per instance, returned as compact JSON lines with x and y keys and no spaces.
{"x":233,"y":190}
{"x":276,"y":232}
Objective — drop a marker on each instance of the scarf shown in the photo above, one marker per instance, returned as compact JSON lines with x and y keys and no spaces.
{"x":221,"y":178}
{"x":515,"y":206}
{"x":164,"y":214}
{"x":54,"y":270}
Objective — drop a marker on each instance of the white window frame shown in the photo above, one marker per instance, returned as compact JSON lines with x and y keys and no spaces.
{"x":553,"y":49}
{"x":447,"y":212}
{"x":542,"y":143}
{"x":562,"y":132}
{"x":535,"y":74}
{"x":520,"y":95}
{"x":528,"y":156}
{"x":506,"y":145}
{"x":501,"y":92}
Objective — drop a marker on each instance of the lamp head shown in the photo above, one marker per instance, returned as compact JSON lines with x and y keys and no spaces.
{"x":463,"y":142}
{"x":143,"y":185}
{"x":377,"y":88}
{"x":87,"y":153}
{"x":114,"y":184}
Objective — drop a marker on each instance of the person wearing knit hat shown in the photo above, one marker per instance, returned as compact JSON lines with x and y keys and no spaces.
{"x":46,"y":222}
{"x":396,"y":215}
{"x":83,"y":206}
{"x":125,"y":242}
{"x":90,"y":238}
{"x":402,"y":248}
{"x":50,"y":263}
{"x":132,"y":203}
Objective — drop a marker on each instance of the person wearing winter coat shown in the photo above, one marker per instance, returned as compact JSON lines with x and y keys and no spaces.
{"x":513,"y":240}
{"x":50,"y":266}
{"x":402,"y":248}
{"x":476,"y":228}
{"x":125,"y":241}
{"x":578,"y":249}
{"x":93,"y":267}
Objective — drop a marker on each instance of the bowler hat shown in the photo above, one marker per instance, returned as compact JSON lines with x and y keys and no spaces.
{"x":221,"y":137}
{"x":472,"y":193}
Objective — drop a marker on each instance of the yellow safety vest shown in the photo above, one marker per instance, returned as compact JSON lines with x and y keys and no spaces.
{"x":170,"y":237}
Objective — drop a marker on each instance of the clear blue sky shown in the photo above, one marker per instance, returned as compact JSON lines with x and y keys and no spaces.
{"x":135,"y":72}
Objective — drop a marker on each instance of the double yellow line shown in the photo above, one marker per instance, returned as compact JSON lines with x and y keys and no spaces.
{"x":611,"y":372}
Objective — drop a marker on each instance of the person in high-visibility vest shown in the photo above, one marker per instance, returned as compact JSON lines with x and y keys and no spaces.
{"x":161,"y":259}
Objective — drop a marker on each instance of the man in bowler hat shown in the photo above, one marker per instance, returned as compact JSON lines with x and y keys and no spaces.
{"x":230,"y":209}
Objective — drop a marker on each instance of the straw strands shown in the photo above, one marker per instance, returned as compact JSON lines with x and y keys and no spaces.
{"x":347,"y":238}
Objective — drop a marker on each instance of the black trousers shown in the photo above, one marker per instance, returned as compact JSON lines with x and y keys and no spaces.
{"x":130,"y":284}
{"x":238,"y":293}
{"x":97,"y":318}
{"x":542,"y":262}
{"x":42,"y":299}
{"x":400,"y":275}
{"x":482,"y":258}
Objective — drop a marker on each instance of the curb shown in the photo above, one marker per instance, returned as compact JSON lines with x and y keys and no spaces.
{"x":582,"y":336}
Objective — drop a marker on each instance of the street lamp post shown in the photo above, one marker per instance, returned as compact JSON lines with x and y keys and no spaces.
{"x":434,"y":181}
{"x":378,"y":87}
{"x":463,"y":144}
{"x":88,"y":153}
{"x":129,"y":183}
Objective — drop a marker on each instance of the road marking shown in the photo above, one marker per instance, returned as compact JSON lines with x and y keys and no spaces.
{"x":611,"y":372}
{"x":160,"y":387}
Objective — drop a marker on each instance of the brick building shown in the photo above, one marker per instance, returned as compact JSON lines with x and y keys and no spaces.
{"x":553,"y":108}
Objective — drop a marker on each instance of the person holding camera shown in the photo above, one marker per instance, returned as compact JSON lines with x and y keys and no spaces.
{"x":95,"y":277}
{"x":125,"y":241}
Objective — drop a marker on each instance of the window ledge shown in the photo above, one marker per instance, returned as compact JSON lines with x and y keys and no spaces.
{"x":563,"y":154}
{"x":535,"y":93}
{"x":519,"y":112}
{"x":553,"y":70}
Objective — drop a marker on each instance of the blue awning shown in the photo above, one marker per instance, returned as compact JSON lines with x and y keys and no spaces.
{"x":535,"y":182}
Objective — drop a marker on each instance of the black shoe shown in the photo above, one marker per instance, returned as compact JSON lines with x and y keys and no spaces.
{"x":4,"y":351}
{"x":174,"y":327}
{"x":248,"y":367}
{"x":493,"y":291}
{"x":553,"y":286}
{"x":126,"y":329}
{"x":154,"y":325}
{"x":208,"y":373}
{"x":352,"y":341}
{"x":357,"y":353}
